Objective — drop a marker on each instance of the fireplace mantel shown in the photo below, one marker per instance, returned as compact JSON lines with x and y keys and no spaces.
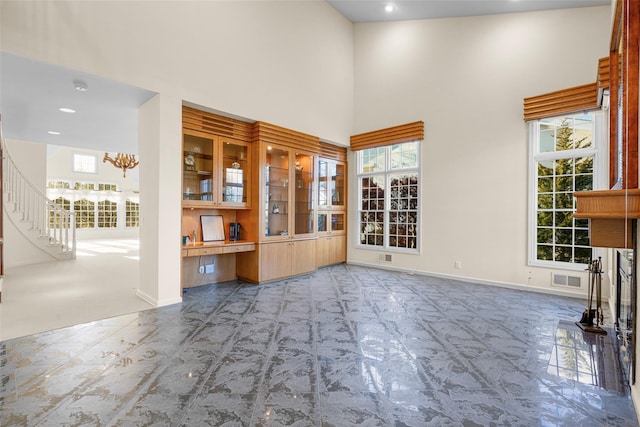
{"x":620,"y":204}
{"x":611,"y":213}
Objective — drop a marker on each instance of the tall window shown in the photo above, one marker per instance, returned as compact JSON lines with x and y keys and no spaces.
{"x":55,"y":220}
{"x":388,"y":187}
{"x":132,"y":214}
{"x":85,"y":213}
{"x":564,"y":160}
{"x":107,"y":214}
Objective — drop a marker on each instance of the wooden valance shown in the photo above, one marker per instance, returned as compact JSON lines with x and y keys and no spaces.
{"x":603,"y":72}
{"x":393,"y":135}
{"x":205,"y":121}
{"x":572,"y":100}
{"x":565,"y":101}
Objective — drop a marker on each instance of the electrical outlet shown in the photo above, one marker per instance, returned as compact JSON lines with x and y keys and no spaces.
{"x":201,"y":270}
{"x":209,"y":268}
{"x":458,"y":265}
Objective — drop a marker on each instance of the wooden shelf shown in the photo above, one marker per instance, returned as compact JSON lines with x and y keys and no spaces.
{"x":610,"y":213}
{"x":621,"y":204}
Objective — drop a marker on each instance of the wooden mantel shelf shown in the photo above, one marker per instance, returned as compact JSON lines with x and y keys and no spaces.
{"x":610,"y":213}
{"x":610,"y":204}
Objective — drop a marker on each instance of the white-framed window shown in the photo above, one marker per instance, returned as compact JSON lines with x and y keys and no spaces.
{"x":132,"y":213}
{"x":85,"y":211}
{"x":107,"y":214}
{"x":564,"y":158}
{"x":389,"y":197}
{"x":98,"y":205}
{"x":85,"y":163}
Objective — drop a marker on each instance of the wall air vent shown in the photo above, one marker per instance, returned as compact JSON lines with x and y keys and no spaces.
{"x":565,"y":280}
{"x":384,"y":258}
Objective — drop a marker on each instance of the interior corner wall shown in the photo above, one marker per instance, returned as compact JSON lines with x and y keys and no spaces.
{"x":466,"y":78}
{"x":31,"y":159}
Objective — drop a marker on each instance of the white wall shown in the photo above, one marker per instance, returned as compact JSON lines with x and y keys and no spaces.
{"x":160,"y":245}
{"x":288,"y":63}
{"x":60,"y":166}
{"x":466,"y":79}
{"x":31,"y":159}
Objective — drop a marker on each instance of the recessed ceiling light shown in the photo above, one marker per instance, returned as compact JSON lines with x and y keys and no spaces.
{"x":53,"y":132}
{"x":389,"y":8}
{"x":80,"y":85}
{"x":67,"y":110}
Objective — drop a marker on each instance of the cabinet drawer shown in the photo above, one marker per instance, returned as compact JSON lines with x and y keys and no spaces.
{"x":205,"y":251}
{"x":238,"y":248}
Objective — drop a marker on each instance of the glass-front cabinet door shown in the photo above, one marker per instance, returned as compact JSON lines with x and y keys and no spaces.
{"x":331,"y":181}
{"x":338,"y":222}
{"x":289,"y":193}
{"x":198,"y":167}
{"x":323,"y":185}
{"x":276,"y":191}
{"x":215,"y":172}
{"x":235,"y":173}
{"x":304,"y":188}
{"x":336,"y":184}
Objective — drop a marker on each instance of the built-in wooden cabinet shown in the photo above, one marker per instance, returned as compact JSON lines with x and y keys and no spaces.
{"x":216,"y":171}
{"x":286,"y":189}
{"x":331,"y":250}
{"x":284,"y":259}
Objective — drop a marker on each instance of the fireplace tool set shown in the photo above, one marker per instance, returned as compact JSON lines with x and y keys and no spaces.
{"x":593,"y":318}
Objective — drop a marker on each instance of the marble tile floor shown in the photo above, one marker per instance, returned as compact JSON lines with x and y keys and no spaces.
{"x":344,"y":346}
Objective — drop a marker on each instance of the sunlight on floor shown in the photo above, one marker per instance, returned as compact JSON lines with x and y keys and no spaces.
{"x":101,"y":282}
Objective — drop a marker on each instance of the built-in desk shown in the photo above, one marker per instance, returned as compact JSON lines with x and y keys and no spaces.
{"x":216,"y":248}
{"x":222,"y":255}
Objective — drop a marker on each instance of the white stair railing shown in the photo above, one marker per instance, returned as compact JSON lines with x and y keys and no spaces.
{"x":53,"y":223}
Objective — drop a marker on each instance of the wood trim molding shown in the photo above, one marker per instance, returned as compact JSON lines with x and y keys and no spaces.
{"x":393,"y":135}
{"x":621,"y":204}
{"x":266,"y":132}
{"x":333,"y":152}
{"x":625,"y":66}
{"x":204,"y":121}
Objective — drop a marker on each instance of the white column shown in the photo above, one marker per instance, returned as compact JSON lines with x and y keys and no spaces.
{"x":160,"y":130}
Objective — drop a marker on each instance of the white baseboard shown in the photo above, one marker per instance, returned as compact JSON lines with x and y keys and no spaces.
{"x":155,"y":302}
{"x":552,"y":291}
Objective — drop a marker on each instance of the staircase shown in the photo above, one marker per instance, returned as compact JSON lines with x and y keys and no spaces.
{"x":42,"y":222}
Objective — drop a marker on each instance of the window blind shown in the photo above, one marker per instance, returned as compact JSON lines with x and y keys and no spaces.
{"x":393,"y":135}
{"x":569,"y":101}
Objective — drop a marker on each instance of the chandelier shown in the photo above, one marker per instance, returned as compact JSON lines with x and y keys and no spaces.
{"x":122,"y":161}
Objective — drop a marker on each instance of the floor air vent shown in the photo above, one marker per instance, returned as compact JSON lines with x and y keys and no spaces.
{"x":565,"y":280}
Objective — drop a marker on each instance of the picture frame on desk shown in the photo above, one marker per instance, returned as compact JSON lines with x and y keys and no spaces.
{"x":212,"y":228}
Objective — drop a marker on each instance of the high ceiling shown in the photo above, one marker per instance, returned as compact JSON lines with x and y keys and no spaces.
{"x":106,"y":116}
{"x":32,"y":92}
{"x":374,"y":10}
